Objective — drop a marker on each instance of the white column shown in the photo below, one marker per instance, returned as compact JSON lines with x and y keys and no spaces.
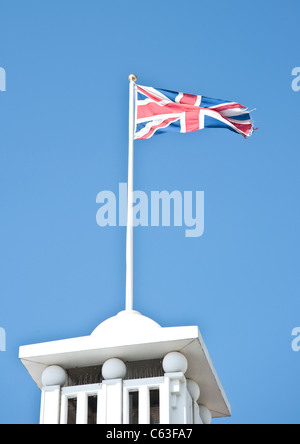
{"x":144,"y":405}
{"x":82,"y":408}
{"x":110,"y":403}
{"x":53,"y":378}
{"x":165,"y":402}
{"x":177,"y":398}
{"x":50,"y":405}
{"x":175,"y":366}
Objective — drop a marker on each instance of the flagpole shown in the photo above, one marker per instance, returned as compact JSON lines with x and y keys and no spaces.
{"x":129,"y":238}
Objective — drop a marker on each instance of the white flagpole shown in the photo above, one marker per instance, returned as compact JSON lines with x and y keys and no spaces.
{"x":129,"y":238}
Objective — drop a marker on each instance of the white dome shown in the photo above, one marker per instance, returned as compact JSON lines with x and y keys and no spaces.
{"x":126,"y":323}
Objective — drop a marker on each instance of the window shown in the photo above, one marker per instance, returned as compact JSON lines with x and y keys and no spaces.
{"x":154,"y":406}
{"x":134,"y":407}
{"x":141,"y":401}
{"x":79,"y":404}
{"x":72,"y":411}
{"x":92,"y":409}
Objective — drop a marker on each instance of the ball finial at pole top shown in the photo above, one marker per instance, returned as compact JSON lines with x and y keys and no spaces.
{"x":132,"y":78}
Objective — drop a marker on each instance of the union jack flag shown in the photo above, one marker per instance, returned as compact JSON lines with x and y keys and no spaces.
{"x":159,"y":111}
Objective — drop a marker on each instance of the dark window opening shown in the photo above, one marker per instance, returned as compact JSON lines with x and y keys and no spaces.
{"x":133,"y":407}
{"x":154,"y":407}
{"x":92,"y":409}
{"x":72,"y":411}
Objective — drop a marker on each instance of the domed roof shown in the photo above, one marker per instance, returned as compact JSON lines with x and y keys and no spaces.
{"x":125,"y":323}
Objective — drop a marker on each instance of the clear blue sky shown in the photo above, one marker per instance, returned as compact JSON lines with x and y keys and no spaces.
{"x":63,"y":139}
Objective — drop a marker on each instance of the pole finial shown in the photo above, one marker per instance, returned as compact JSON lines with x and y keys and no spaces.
{"x":132,"y":78}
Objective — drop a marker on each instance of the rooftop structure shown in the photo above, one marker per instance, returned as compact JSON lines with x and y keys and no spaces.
{"x":129,"y":370}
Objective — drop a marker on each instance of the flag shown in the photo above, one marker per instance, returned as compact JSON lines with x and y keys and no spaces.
{"x":158,"y":111}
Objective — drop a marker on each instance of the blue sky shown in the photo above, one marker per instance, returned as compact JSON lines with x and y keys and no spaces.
{"x":63,"y":139}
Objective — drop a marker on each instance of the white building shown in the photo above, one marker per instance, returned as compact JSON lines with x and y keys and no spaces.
{"x":128,"y":371}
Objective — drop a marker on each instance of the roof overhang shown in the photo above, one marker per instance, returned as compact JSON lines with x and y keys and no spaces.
{"x":155,"y":344}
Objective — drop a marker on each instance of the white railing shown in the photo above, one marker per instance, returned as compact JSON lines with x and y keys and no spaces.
{"x":159,"y":400}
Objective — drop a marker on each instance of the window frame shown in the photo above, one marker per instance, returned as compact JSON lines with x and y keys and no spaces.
{"x":81,"y":393}
{"x":143,"y":387}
